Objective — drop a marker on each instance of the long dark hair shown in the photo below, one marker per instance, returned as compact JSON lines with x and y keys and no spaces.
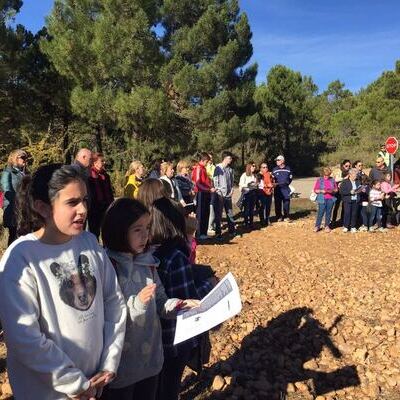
{"x":168,"y":225}
{"x":121,"y":214}
{"x":43,"y":185}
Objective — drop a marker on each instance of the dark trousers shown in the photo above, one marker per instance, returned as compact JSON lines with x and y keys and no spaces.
{"x":221,"y":203}
{"x":375,"y":216}
{"x":264,"y":210}
{"x":388,"y":212}
{"x":281,"y":202}
{"x":95,"y":219}
{"x":202,"y":212}
{"x":365,"y":215}
{"x":170,"y":377}
{"x":350,"y":214}
{"x":336,"y":207}
{"x":324,"y":208}
{"x":249,"y":202}
{"x":145,"y":389}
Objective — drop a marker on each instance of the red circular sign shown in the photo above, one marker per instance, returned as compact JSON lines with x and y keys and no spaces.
{"x":391,"y":145}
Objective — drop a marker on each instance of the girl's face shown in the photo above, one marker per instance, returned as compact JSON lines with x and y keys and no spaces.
{"x":377,"y":186}
{"x":388,"y":177}
{"x":21,"y":161}
{"x":67,"y":215}
{"x":170,"y":172}
{"x":138,"y":234}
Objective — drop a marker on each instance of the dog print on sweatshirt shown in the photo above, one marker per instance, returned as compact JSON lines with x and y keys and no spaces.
{"x":77,"y":283}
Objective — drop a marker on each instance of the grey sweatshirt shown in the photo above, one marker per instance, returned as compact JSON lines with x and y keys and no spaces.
{"x":63,"y":316}
{"x":142,"y":354}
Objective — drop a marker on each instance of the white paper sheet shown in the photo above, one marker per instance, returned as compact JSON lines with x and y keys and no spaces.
{"x":222,"y":303}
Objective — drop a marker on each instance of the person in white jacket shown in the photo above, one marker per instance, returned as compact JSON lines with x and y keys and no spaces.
{"x":62,"y":311}
{"x":125,"y":235}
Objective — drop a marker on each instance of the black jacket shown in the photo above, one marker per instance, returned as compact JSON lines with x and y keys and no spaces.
{"x":345,"y":188}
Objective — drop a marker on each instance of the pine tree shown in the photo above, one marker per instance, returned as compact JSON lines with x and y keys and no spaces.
{"x":207,"y":47}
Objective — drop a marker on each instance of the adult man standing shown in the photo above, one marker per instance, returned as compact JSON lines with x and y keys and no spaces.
{"x":203,"y":190}
{"x":82,"y":162}
{"x":384,"y":154}
{"x":282,"y":175}
{"x":379,"y":171}
{"x":223,"y":184}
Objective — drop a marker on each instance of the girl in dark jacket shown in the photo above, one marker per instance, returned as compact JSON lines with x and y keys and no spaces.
{"x":100,"y":193}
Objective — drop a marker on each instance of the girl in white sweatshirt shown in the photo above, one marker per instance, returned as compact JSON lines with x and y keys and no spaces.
{"x":125,"y":234}
{"x":62,"y":311}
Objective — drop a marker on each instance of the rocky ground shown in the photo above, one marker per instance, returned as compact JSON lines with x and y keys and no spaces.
{"x":320,"y":317}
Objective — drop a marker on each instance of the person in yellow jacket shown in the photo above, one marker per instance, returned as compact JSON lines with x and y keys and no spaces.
{"x":134,"y":177}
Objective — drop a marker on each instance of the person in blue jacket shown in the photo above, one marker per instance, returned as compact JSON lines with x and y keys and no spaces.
{"x":10,"y":180}
{"x":283,"y":177}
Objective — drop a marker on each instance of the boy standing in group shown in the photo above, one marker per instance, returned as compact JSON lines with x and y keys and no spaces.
{"x":223,"y":184}
{"x":203,"y":190}
{"x":282,"y":175}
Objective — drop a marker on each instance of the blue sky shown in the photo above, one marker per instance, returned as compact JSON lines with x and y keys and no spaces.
{"x":354,"y":41}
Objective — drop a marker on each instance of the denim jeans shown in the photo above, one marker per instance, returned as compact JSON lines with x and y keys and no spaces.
{"x":376,"y":215}
{"x":364,"y":215}
{"x":324,"y":208}
{"x":265,"y":206}
{"x":249,"y":202}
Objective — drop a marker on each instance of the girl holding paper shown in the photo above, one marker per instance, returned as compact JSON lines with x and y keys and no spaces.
{"x":168,"y":231}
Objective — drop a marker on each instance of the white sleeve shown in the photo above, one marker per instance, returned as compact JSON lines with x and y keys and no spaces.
{"x":114,"y":318}
{"x":242,"y":182}
{"x":20,"y":313}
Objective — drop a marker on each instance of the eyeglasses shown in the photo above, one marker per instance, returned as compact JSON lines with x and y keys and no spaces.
{"x":22,"y":158}
{"x":347,"y":165}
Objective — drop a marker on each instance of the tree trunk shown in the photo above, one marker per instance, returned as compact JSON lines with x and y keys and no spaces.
{"x":66,"y":149}
{"x":100,"y":134}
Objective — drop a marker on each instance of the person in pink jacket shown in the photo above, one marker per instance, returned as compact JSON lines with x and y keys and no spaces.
{"x":325,"y":187}
{"x":390,"y":193}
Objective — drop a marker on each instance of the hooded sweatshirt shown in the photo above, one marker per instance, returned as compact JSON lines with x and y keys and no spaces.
{"x":142,"y":354}
{"x":63,"y":316}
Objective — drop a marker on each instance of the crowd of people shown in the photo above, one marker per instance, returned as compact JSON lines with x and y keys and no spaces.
{"x":93,"y":315}
{"x":367,"y":202}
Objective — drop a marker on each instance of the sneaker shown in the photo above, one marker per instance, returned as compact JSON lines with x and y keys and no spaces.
{"x":317,"y":229}
{"x":345,"y":230}
{"x":373,"y":228}
{"x":382,"y":229}
{"x":353,"y":230}
{"x":390,"y":226}
{"x":287,"y":220}
{"x":363,"y":228}
{"x":280,"y":219}
{"x":327,"y":229}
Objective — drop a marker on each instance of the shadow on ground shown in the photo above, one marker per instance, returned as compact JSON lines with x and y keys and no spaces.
{"x":271,"y":358}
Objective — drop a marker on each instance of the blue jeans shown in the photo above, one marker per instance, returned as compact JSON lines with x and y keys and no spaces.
{"x":265,"y":206}
{"x":324,"y":208}
{"x":364,"y":215}
{"x":249,"y":202}
{"x":376,"y":215}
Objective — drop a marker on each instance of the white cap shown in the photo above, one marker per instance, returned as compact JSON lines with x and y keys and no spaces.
{"x":280,"y":158}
